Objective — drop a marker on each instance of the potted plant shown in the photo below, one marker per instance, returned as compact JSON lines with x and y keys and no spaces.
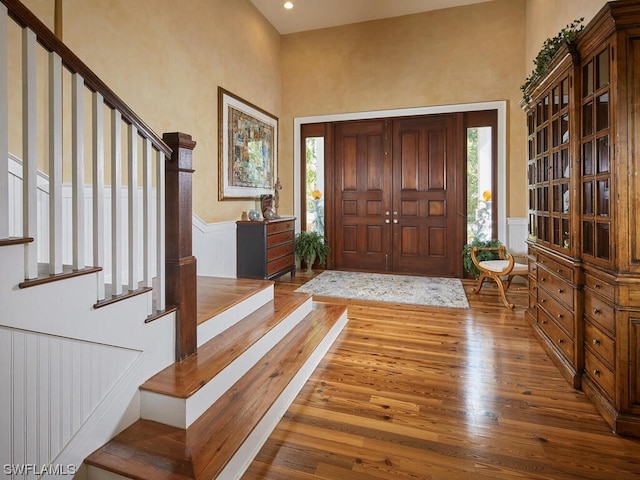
{"x":467,"y":262}
{"x":310,"y":246}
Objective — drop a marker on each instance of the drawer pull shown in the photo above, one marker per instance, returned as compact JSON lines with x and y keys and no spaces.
{"x":595,"y":341}
{"x":560,"y":291}
{"x":596,"y":311}
{"x":543,"y":300}
{"x":560,"y":341}
{"x":560,"y":315}
{"x":596,"y":372}
{"x":543,"y":279}
{"x":559,"y":271}
{"x":597,"y":286}
{"x":544,"y":322}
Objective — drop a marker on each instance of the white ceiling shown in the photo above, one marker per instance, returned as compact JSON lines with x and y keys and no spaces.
{"x":315,"y":14}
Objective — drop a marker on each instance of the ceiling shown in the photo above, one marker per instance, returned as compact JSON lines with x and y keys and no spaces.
{"x":315,"y":14}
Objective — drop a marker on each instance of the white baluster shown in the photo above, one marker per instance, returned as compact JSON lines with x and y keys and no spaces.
{"x":160,"y":221}
{"x":147,"y":237}
{"x":116,"y":202}
{"x":29,"y":152}
{"x":134,"y":205}
{"x":4,"y":124}
{"x":98,"y":190}
{"x":55,"y":164}
{"x":77,"y":171}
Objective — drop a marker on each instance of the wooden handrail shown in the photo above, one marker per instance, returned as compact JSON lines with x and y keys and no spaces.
{"x":23,"y":17}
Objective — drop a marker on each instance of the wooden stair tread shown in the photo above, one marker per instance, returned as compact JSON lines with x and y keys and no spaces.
{"x":217,"y":294}
{"x":149,"y":449}
{"x":183,"y":379}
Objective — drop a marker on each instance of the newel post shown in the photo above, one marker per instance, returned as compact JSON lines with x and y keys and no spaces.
{"x":180,"y":263}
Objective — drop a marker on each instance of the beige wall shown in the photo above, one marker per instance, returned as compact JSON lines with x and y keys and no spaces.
{"x":166,"y":59}
{"x":545,"y":18}
{"x":458,"y":55}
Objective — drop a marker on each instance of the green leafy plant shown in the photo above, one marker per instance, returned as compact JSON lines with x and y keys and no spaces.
{"x":467,"y":261}
{"x":549,"y":48}
{"x":309,"y":246}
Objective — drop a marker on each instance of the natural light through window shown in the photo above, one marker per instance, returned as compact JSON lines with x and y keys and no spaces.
{"x":314,"y":150}
{"x":479,"y":184}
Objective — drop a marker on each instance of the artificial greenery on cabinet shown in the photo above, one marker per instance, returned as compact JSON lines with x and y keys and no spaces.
{"x":549,"y":48}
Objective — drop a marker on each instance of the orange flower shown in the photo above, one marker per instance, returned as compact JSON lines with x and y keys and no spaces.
{"x":316,"y":194}
{"x":486,"y":195}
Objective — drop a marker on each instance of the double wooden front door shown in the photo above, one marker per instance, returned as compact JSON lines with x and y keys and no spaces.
{"x":398,"y":194}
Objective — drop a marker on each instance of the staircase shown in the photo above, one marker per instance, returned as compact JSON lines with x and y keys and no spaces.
{"x":113,"y":367}
{"x":208,"y":416}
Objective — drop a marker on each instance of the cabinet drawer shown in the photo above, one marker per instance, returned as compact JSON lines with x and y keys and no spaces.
{"x":277,"y":227}
{"x":556,"y":267}
{"x":278,"y":238}
{"x":533,"y":301}
{"x":600,"y":343}
{"x":279,"y":264}
{"x":557,"y":288}
{"x":533,"y":267}
{"x":533,"y":287}
{"x":601,"y":312}
{"x":279,"y":251}
{"x":560,"y":314}
{"x":603,"y":288}
{"x":557,"y":336}
{"x":599,"y":372}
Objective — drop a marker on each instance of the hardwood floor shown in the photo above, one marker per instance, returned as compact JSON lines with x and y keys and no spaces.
{"x":425,"y":393}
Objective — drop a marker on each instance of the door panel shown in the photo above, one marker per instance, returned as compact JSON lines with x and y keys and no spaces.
{"x":425,"y":230}
{"x":395,"y":196}
{"x":362,"y":169}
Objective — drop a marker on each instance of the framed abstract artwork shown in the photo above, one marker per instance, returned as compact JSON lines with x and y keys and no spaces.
{"x":247,"y":149}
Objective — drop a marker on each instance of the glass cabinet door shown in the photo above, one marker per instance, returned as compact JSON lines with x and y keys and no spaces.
{"x":595,"y":184}
{"x":560,"y":166}
{"x":549,"y":166}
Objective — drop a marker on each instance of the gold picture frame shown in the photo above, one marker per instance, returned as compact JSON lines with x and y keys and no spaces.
{"x":247,"y":149}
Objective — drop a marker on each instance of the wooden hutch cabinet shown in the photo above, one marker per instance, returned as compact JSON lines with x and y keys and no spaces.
{"x":583,"y":154}
{"x":555,"y":273}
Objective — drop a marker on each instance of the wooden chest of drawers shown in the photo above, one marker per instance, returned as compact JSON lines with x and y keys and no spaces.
{"x":265,"y":248}
{"x":556,"y":311}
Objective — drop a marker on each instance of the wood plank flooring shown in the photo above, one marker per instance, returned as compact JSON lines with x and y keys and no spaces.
{"x":426,"y":393}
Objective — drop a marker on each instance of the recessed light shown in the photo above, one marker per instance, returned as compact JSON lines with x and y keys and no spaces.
{"x":288,"y":5}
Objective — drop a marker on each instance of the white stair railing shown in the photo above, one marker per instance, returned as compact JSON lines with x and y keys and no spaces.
{"x":126,"y":242}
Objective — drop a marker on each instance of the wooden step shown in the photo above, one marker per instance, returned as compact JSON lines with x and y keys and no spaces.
{"x":224,"y":440}
{"x":223,"y":301}
{"x":180,"y":393}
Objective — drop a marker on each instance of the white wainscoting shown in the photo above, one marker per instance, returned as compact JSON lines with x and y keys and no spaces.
{"x":52,"y":385}
{"x":214,"y":246}
{"x":517,"y":235}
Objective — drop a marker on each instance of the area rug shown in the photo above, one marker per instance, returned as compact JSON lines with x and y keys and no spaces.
{"x":379,"y":287}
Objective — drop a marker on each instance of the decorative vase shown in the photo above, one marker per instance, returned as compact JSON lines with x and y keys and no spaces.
{"x":309,"y":261}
